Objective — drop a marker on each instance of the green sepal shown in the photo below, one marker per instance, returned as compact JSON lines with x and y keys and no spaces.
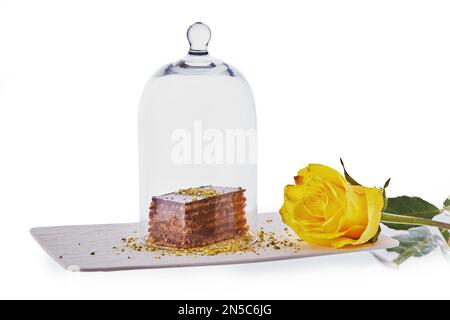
{"x":376,"y":236}
{"x":347,"y":176}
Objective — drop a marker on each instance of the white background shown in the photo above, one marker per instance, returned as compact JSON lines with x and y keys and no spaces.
{"x":365,"y":80}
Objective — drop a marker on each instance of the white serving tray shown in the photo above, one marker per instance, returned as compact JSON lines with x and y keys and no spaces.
{"x":71,"y":247}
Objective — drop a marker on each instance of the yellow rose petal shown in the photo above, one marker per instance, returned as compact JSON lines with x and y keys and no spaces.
{"x":323,"y":209}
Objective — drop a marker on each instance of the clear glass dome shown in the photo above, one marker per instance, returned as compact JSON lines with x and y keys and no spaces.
{"x":197,"y":152}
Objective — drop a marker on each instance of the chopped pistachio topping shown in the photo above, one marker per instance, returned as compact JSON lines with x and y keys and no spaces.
{"x":200,"y":192}
{"x":265,"y":241}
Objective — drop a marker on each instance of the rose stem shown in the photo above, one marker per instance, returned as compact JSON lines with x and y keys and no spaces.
{"x":398,"y":219}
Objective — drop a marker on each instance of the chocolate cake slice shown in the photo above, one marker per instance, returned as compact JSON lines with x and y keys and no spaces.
{"x":197,"y":217}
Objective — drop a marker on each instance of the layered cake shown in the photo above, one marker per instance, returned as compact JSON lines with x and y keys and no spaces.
{"x":197,"y":217}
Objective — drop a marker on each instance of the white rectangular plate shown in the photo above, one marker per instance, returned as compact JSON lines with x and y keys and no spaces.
{"x":72,"y":248}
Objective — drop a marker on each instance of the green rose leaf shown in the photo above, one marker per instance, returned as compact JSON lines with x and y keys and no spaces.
{"x":417,"y":243}
{"x":412,"y":207}
{"x":446,"y":234}
{"x":447,"y":204}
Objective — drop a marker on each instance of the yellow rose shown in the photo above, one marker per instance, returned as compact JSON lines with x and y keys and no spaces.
{"x":324,"y":209}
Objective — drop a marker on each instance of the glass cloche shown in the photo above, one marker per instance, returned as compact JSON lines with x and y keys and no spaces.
{"x":197,"y":152}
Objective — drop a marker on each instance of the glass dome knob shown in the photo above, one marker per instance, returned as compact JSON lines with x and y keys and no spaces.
{"x":198,"y":36}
